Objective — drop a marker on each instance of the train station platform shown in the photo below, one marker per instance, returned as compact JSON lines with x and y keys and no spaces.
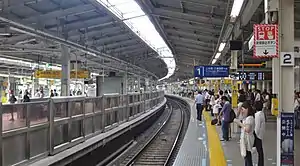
{"x":200,"y":143}
{"x":202,"y":146}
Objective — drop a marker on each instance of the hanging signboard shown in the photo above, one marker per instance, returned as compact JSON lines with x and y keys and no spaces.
{"x":211,"y":71}
{"x":287,"y":139}
{"x":265,"y":41}
{"x":56,"y":74}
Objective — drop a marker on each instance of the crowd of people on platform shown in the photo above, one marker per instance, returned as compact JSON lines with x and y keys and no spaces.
{"x":250,"y":116}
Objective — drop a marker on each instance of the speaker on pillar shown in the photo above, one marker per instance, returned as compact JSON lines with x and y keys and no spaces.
{"x":236,"y":45}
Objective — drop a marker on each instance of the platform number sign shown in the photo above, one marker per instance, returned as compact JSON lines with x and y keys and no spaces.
{"x":287,"y":59}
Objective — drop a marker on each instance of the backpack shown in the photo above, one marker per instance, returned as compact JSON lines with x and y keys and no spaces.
{"x":232,"y":116}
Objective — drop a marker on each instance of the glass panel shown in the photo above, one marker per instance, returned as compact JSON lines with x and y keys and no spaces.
{"x":76,"y":130}
{"x":13,"y":116}
{"x":89,"y":106}
{"x":107,"y":103}
{"x":38,"y":112}
{"x":39,"y":142}
{"x":60,"y":110}
{"x":98,"y":104}
{"x":60,"y":134}
{"x":14,"y":149}
{"x":76,"y":108}
{"x":88,"y":126}
{"x":98,"y":123}
{"x":108,"y":119}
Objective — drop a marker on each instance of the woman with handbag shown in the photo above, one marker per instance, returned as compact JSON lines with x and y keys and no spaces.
{"x":247,"y":133}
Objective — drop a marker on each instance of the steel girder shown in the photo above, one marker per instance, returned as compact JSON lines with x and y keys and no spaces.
{"x":196,"y":42}
{"x":194,"y":35}
{"x":131,"y":47}
{"x":204,"y":28}
{"x":208,"y":3}
{"x":185,"y":17}
{"x":119,"y":44}
{"x":209,"y":53}
{"x":104,"y":40}
{"x":192,"y":46}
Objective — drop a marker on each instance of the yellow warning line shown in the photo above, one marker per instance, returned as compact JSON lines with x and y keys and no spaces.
{"x":216,"y":153}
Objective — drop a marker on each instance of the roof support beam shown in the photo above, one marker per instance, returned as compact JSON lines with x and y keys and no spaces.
{"x":118,"y":44}
{"x":132,"y":47}
{"x":193,"y":46}
{"x":208,"y":3}
{"x":61,"y":13}
{"x":204,"y":28}
{"x":199,"y":51}
{"x":194,"y":35}
{"x":197,"y":42}
{"x":249,"y":11}
{"x":185,"y":17}
{"x":102,"y":41}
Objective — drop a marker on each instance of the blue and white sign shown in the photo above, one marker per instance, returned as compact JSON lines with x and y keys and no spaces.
{"x":211,"y":71}
{"x":287,"y":139}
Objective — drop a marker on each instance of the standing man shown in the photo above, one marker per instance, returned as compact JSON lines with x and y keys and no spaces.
{"x":225,"y":113}
{"x":199,"y":100}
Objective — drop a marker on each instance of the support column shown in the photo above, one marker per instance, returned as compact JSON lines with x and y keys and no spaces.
{"x":286,"y":88}
{"x":125,"y":83}
{"x":259,"y":85}
{"x":139,"y":83}
{"x":65,"y":73}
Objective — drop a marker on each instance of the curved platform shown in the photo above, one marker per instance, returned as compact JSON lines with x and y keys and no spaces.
{"x":202,"y":146}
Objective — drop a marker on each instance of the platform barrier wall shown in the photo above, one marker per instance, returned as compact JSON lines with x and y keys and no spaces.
{"x":43,"y":128}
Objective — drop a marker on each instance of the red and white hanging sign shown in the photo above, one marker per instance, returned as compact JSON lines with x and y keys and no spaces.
{"x":265,"y":41}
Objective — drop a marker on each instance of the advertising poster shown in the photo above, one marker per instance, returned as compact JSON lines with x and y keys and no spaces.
{"x":287,"y":139}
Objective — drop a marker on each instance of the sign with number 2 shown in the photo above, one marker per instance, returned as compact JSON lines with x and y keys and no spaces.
{"x":287,"y":59}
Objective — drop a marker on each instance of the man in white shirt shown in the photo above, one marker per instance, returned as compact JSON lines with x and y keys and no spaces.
{"x":260,"y":125}
{"x":199,"y":100}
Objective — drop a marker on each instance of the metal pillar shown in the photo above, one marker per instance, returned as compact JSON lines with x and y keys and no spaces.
{"x":65,"y":74}
{"x":125,"y":83}
{"x":286,"y":88}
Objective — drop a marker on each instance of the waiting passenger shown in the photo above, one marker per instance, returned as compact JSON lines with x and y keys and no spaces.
{"x":225,"y":120}
{"x":216,"y":108}
{"x":26,"y":97}
{"x":12,"y":99}
{"x":51,"y":93}
{"x":247,"y":133}
{"x":199,"y":100}
{"x":55,"y":93}
{"x":260,"y":125}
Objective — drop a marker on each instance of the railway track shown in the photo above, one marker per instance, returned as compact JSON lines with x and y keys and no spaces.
{"x":158,"y":148}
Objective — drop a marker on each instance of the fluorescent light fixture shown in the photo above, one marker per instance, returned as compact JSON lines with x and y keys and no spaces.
{"x":251,"y":42}
{"x":221,"y":47}
{"x":5,"y":34}
{"x":218,"y":55}
{"x":214,"y":61}
{"x":236,"y":8}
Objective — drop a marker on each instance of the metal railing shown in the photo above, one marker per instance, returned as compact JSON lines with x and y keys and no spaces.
{"x":31,"y":131}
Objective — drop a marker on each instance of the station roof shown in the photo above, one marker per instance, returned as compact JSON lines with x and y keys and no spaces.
{"x":33,"y":30}
{"x":191,"y":28}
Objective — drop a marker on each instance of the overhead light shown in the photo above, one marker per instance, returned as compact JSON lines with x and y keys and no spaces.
{"x":5,"y":34}
{"x":251,"y":42}
{"x":221,"y":47}
{"x":218,"y":55}
{"x":236,"y":8}
{"x":214,"y":61}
